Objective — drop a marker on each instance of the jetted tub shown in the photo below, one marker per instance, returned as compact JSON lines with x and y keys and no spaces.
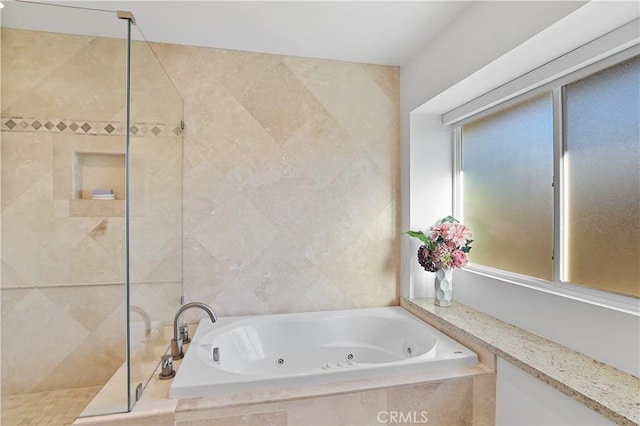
{"x":270,"y":351}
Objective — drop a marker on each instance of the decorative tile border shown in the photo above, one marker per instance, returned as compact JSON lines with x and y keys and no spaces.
{"x":82,"y":127}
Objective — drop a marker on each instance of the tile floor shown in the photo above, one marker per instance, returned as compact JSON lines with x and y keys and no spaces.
{"x":52,"y":408}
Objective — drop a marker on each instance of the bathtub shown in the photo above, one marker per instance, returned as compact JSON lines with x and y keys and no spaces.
{"x":259,"y":352}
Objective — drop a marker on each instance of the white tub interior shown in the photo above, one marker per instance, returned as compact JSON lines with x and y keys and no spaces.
{"x":259,"y":352}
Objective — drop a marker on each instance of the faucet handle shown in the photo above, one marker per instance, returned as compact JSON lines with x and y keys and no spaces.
{"x":184,"y":333}
{"x":166,"y":365}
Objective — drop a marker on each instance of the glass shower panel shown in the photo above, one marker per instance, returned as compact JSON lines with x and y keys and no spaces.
{"x":155,"y":210}
{"x":63,"y":250}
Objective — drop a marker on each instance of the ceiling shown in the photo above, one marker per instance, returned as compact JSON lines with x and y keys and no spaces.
{"x":380,"y":32}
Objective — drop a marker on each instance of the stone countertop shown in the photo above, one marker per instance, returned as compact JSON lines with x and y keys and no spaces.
{"x":605,"y":389}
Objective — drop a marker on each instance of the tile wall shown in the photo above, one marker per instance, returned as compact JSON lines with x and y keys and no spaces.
{"x":291,"y":180}
{"x":290,"y":196}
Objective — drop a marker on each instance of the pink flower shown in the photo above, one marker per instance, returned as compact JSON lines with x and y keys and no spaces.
{"x":439,"y":231}
{"x":460,"y":259}
{"x":460,"y":234}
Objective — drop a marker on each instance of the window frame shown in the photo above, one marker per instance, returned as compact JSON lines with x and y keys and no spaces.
{"x":558,"y":285}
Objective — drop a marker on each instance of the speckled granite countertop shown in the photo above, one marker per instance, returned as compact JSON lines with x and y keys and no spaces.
{"x":606,"y":390}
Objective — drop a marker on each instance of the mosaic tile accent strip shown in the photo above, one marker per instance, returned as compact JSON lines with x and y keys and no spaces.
{"x":82,"y":127}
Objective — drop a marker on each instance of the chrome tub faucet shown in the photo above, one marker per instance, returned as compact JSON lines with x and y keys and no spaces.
{"x":176,"y":342}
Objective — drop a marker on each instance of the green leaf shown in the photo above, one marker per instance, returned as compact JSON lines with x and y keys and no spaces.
{"x":449,"y":219}
{"x":417,"y":234}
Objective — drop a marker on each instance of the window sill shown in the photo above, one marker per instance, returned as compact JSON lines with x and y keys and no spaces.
{"x":602,"y":388}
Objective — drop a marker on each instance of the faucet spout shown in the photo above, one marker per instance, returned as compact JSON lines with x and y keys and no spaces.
{"x":176,"y":342}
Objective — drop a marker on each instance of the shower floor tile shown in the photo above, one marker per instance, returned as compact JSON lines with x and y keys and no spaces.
{"x":52,"y":408}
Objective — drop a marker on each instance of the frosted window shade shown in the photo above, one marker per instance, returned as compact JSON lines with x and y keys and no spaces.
{"x":507,"y":170}
{"x":602,"y":160}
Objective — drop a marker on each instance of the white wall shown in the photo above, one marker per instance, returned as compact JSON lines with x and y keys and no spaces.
{"x":485,"y":32}
{"x":521,"y":399}
{"x":481,"y":33}
{"x":430,"y":159}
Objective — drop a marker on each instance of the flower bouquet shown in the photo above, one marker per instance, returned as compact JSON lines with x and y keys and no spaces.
{"x":446,"y":245}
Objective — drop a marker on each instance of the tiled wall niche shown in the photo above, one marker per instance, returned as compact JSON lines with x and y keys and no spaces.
{"x":98,"y":170}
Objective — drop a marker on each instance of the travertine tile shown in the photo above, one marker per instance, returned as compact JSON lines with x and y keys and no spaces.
{"x":157,"y":299}
{"x":237,"y":299}
{"x":26,"y":160}
{"x":276,"y":418}
{"x":179,"y":62}
{"x":238,"y":147}
{"x":285,"y":201}
{"x":109,"y":331}
{"x":484,"y":399}
{"x":100,"y":263}
{"x":149,"y":82}
{"x":387,"y":78}
{"x":205,"y":190}
{"x":231,"y":242}
{"x":294,"y":107}
{"x":360,"y":408}
{"x":445,"y":403}
{"x":321,"y":296}
{"x":357,"y":264}
{"x":52,"y":408}
{"x":22,"y":369}
{"x":12,"y":296}
{"x":90,"y":364}
{"x":206,"y":275}
{"x":286,"y":270}
{"x":148,"y":247}
{"x":363,"y":189}
{"x":91,"y":208}
{"x":26,"y":232}
{"x":330,"y":153}
{"x":61,"y":208}
{"x":301,"y":169}
{"x":20,"y":45}
{"x":89,"y":305}
{"x":88,"y":84}
{"x":357,"y":102}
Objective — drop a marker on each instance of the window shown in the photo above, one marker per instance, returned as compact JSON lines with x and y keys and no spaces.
{"x":602,"y":179}
{"x":508,"y":198}
{"x":585,"y":132}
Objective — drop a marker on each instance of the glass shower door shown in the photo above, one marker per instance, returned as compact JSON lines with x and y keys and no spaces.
{"x":63,"y":250}
{"x":155,"y":211}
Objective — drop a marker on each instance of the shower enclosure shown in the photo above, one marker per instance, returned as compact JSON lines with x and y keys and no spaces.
{"x":91,"y":207}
